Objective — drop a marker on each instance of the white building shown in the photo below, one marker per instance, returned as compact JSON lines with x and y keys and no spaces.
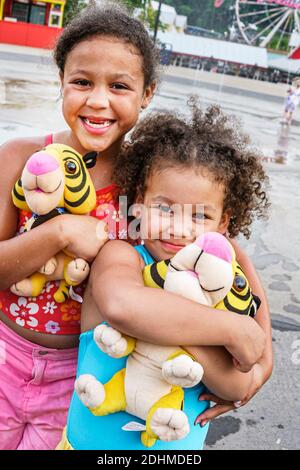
{"x":169,"y":17}
{"x":181,"y":23}
{"x":199,"y":47}
{"x":282,"y":62}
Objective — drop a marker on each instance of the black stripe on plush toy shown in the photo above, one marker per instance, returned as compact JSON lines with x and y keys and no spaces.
{"x":41,"y":219}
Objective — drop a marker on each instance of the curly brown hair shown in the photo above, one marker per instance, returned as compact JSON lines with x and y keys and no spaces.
{"x":208,"y":138}
{"x":113,"y":20}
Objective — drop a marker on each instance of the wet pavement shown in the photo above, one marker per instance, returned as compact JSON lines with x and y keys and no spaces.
{"x":30,"y":105}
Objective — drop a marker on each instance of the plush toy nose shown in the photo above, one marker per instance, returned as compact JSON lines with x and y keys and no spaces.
{"x":41,"y":163}
{"x":215,"y":244}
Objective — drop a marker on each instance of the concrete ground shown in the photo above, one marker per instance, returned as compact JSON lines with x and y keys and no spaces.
{"x":29,"y":104}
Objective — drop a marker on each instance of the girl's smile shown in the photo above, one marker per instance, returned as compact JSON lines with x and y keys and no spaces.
{"x":97,"y":126}
{"x":170,"y":247}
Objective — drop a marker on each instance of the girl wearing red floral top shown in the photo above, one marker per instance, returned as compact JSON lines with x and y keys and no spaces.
{"x":107,"y":74}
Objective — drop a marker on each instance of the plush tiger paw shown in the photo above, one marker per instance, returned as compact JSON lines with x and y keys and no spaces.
{"x":182,"y":371}
{"x":90,"y":391}
{"x":23,"y":287}
{"x":110,"y":341}
{"x":169,"y":424}
{"x":49,"y":267}
{"x":77,"y":271}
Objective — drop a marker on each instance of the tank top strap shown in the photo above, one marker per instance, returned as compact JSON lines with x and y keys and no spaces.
{"x":147,"y":258}
{"x":49,"y":140}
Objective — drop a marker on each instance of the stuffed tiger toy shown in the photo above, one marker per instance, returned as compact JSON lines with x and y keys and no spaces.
{"x":151,"y":385}
{"x":55,"y":181}
{"x":239,"y":299}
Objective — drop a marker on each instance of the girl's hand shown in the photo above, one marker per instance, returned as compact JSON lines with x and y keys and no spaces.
{"x":247,"y":342}
{"x":222,"y":406}
{"x":84,"y":235}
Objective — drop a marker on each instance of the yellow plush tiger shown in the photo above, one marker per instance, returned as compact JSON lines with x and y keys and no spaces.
{"x":54,"y":181}
{"x":239,"y":299}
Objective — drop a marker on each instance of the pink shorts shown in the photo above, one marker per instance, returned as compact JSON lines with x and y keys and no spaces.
{"x":36,"y":385}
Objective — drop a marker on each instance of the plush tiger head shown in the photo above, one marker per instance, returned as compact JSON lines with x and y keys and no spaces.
{"x":211,"y":275}
{"x":210,"y":260}
{"x":56,"y":176}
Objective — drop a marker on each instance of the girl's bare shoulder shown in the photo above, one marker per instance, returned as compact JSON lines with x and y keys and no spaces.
{"x":15,"y":152}
{"x":120,"y":252}
{"x":13,"y":155}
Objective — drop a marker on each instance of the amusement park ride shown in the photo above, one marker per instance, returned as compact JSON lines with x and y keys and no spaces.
{"x":274,"y":24}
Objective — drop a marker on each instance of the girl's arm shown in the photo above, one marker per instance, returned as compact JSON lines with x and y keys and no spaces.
{"x":263,"y":314}
{"x":21,"y":256}
{"x":262,"y":370}
{"x":220,"y":376}
{"x":161,"y":317}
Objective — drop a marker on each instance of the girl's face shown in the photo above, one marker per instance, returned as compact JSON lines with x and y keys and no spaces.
{"x":180,"y":204}
{"x":103,"y":93}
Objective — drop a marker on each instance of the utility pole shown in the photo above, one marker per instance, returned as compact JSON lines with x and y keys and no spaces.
{"x":157,"y":21}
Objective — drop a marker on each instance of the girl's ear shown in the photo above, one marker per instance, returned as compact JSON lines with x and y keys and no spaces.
{"x":61,"y":79}
{"x":223,"y":225}
{"x":148,"y":94}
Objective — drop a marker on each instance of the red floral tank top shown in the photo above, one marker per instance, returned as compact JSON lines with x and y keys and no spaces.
{"x":43,"y":314}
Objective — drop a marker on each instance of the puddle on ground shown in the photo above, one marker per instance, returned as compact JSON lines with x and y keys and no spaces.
{"x":24,"y":93}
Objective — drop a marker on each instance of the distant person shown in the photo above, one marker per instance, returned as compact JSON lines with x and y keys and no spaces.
{"x":291,"y":101}
{"x":256,"y":75}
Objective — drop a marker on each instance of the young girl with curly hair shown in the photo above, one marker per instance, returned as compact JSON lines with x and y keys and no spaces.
{"x":171,"y":162}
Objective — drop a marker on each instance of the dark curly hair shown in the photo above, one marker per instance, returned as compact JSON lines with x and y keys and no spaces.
{"x":210,"y":139}
{"x":113,"y":20}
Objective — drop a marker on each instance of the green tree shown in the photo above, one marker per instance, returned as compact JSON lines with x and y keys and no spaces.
{"x":202,"y":13}
{"x":72,"y":8}
{"x":135,"y":3}
{"x":185,"y":10}
{"x":147,"y":15}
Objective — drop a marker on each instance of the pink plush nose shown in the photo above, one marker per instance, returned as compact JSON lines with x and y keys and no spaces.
{"x":215,"y":244}
{"x":41,"y":163}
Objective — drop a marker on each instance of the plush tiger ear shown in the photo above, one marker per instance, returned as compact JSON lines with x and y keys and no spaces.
{"x":18,"y":196}
{"x":90,"y":159}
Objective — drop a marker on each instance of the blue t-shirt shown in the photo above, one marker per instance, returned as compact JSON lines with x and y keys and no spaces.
{"x":88,"y":432}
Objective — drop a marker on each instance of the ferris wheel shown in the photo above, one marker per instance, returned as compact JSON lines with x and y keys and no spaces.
{"x":268,"y":23}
